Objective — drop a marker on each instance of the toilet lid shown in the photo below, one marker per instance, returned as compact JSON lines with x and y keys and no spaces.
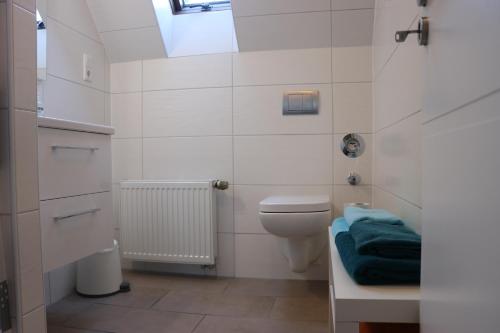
{"x":295,"y":204}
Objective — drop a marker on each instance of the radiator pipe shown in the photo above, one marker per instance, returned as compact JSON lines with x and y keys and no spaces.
{"x":221,"y":184}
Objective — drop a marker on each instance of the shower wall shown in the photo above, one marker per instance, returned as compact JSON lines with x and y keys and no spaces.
{"x":397,"y":112}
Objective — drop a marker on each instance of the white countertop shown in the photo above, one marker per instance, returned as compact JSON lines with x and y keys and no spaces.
{"x":48,"y":122}
{"x":354,"y":302}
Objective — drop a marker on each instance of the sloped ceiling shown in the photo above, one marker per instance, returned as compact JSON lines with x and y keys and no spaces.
{"x":128,"y":29}
{"x":291,"y":24}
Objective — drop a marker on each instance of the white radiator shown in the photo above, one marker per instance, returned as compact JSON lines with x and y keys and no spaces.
{"x":172,"y":222}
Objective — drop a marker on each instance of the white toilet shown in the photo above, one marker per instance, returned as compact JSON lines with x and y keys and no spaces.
{"x":301,"y":222}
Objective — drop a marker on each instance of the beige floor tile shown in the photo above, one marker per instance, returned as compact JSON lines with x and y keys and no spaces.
{"x":55,"y":329}
{"x":110,"y":318}
{"x":177,"y":282}
{"x":264,"y":287}
{"x":61,"y":311}
{"x":213,"y":324}
{"x":137,"y":297}
{"x":300,"y":308}
{"x":216,"y":304}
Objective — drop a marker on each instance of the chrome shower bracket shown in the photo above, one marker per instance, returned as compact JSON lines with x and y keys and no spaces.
{"x":422,"y":31}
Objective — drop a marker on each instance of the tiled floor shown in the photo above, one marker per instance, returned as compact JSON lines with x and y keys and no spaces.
{"x":175,"y":304}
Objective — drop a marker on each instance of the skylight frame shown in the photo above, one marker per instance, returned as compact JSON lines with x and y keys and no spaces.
{"x":179,"y":7}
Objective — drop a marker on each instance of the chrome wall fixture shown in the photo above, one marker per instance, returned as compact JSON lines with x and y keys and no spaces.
{"x":352,"y":145}
{"x":353,"y":178}
{"x":422,"y":32}
{"x":221,"y":184}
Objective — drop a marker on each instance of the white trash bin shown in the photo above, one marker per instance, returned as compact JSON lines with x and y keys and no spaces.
{"x":100,"y":274}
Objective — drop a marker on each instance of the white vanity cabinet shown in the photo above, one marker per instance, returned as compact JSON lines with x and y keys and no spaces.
{"x":74,"y":162}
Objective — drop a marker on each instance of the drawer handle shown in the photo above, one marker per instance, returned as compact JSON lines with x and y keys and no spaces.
{"x":85,"y":212}
{"x":92,"y":149}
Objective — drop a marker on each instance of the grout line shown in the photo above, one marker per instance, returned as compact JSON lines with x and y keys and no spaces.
{"x":76,"y":83}
{"x":198,"y":324}
{"x":397,"y":196}
{"x":393,"y":52}
{"x":128,"y":29}
{"x":458,"y":108}
{"x":74,"y":30}
{"x":398,"y":121}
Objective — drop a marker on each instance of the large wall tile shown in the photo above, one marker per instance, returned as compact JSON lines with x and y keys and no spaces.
{"x":411,"y":214}
{"x":352,"y":27}
{"x":390,"y":17}
{"x":26,"y":157}
{"x":397,"y":162}
{"x":352,"y":64}
{"x":266,"y":7}
{"x":398,"y":89}
{"x":259,"y":110}
{"x":282,"y":67}
{"x":5,"y":199}
{"x":284,"y":31}
{"x":35,"y":322}
{"x":343,"y":194}
{"x":65,"y":49}
{"x":126,"y":77}
{"x":146,"y":44}
{"x":127,"y":159}
{"x":260,"y":256}
{"x":225,"y":210}
{"x":225,"y":260}
{"x":74,"y":14}
{"x":188,"y":158}
{"x":352,"y":107}
{"x":188,"y":72}
{"x":126,"y":115}
{"x":283,"y":159}
{"x":343,"y":165}
{"x":247,"y":198}
{"x":122,"y":14}
{"x":67,"y":100}
{"x":29,"y":5}
{"x":192,"y":112}
{"x":25,"y":88}
{"x":30,"y":259}
{"x":24,"y":47}
{"x":3,"y":57}
{"x":352,"y":4}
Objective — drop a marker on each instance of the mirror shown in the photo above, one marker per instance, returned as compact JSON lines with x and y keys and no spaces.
{"x":41,"y":46}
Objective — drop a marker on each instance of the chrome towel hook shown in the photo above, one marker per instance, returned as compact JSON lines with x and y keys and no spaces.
{"x":422,"y":31}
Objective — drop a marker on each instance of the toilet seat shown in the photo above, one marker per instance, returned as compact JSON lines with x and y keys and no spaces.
{"x":295,"y":204}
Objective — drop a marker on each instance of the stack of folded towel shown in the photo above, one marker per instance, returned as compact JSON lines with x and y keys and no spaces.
{"x":377,"y":248}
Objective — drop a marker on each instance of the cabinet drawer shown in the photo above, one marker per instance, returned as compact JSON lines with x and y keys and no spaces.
{"x":73,"y":163}
{"x":73,"y":228}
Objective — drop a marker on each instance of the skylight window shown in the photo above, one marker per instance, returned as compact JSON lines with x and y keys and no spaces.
{"x":189,"y":6}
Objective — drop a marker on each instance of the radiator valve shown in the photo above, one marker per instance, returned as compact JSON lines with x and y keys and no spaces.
{"x":221,"y":184}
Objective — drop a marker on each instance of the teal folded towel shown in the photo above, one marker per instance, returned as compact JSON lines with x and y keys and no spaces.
{"x":386,"y":240}
{"x":372,"y":270}
{"x":357,"y":214}
{"x":339,"y":225}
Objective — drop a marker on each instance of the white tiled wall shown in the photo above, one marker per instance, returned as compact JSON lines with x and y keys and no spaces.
{"x":19,"y":111}
{"x":397,"y":108}
{"x":70,"y":34}
{"x":220,"y":116}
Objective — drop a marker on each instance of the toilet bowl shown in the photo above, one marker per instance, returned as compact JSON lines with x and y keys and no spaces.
{"x":301,"y":223}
